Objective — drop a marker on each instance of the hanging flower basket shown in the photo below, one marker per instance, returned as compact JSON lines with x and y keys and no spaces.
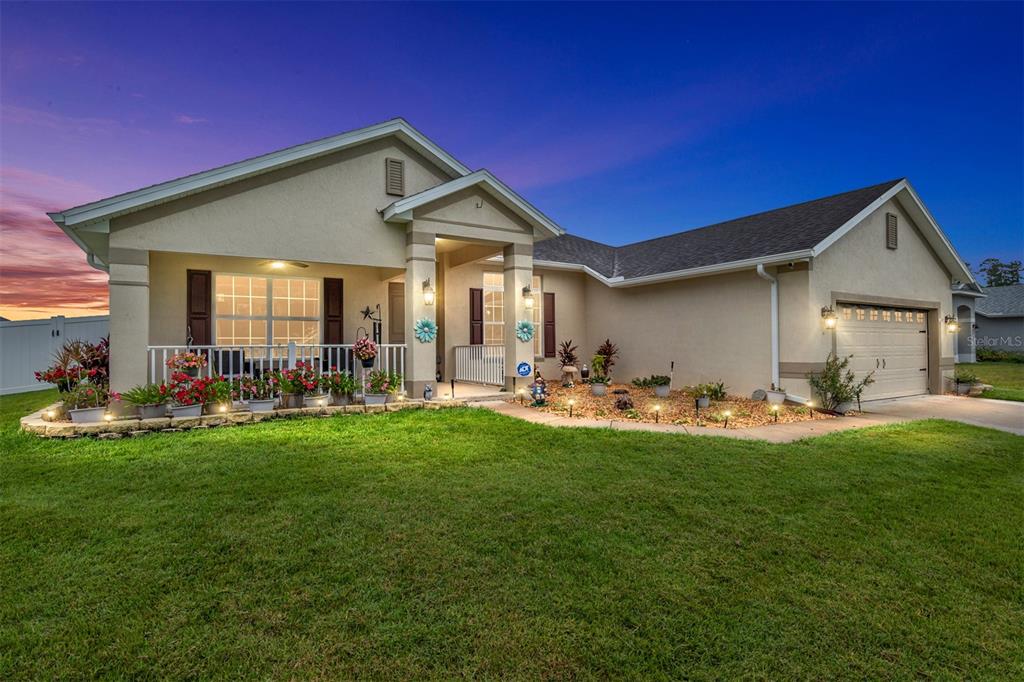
{"x":524,"y":330}
{"x":425,"y":330}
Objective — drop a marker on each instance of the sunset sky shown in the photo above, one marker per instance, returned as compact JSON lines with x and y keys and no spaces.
{"x":620,"y":122}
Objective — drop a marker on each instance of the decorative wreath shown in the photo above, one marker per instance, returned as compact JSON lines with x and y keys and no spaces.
{"x":524,"y":330}
{"x":425,"y":330}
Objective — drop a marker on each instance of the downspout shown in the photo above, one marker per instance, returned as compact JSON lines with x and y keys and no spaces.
{"x":763,"y":274}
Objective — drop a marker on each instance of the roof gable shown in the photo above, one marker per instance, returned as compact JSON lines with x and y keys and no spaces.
{"x":105,"y":209}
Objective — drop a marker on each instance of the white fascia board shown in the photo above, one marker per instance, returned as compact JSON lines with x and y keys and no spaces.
{"x":396,"y":211}
{"x":91,"y":258}
{"x":149,"y":196}
{"x":921,"y":209}
{"x":702,"y":271}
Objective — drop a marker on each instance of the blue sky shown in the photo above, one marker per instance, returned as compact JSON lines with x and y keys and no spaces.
{"x":622,"y":122}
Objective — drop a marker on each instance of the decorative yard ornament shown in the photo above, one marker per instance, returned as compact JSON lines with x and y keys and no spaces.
{"x":524,"y":330}
{"x":428,"y":392}
{"x":585,"y":372}
{"x":425,"y":330}
{"x":539,"y":391}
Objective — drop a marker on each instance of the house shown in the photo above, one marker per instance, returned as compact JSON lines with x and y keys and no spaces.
{"x":996,"y":319}
{"x":297,"y":253}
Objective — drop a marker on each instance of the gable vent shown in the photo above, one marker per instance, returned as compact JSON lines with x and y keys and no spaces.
{"x":394,"y":177}
{"x":890,"y":231}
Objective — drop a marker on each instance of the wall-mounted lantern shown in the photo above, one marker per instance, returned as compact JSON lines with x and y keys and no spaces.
{"x":528,"y":297}
{"x":428,"y":292}
{"x":829,"y":317}
{"x":952,"y":324}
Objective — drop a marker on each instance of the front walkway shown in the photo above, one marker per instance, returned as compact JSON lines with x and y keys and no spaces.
{"x":773,"y":433}
{"x":1004,"y":415}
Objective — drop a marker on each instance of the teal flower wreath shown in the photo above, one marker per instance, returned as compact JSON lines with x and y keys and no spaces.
{"x":524,"y":330}
{"x":425,"y":330}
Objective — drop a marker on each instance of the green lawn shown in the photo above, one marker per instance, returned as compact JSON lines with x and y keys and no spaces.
{"x":462,"y":543}
{"x":1006,"y":378}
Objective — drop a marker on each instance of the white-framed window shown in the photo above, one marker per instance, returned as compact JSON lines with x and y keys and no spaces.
{"x":259,"y":310}
{"x":494,"y":310}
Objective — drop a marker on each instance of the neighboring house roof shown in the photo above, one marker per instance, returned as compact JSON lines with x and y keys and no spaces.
{"x":794,"y":232}
{"x":1002,"y":301}
{"x":401,"y":211}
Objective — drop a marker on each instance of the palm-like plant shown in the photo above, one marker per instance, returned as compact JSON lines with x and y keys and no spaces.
{"x":567,"y":354}
{"x":609,"y":351}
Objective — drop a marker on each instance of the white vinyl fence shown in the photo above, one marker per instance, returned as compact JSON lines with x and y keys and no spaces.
{"x":27,"y":346}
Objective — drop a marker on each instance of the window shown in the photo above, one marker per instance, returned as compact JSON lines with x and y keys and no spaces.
{"x":494,"y":311}
{"x":847,"y":312}
{"x":874,"y":315}
{"x":886,"y":315}
{"x":860,"y":314}
{"x":899,"y":315}
{"x":920,"y":317}
{"x":494,"y":308}
{"x":910,"y":316}
{"x":261,"y":311}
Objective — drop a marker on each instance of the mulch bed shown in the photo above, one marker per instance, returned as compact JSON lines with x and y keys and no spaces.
{"x":678,"y":408}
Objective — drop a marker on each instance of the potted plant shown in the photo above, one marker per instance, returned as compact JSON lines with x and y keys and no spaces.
{"x":297,"y":384}
{"x":380,"y":386}
{"x":259,"y":392}
{"x":187,"y":362}
{"x":567,"y":359}
{"x":218,"y":394}
{"x":964,"y":380}
{"x":837,"y":386}
{"x":187,"y":395}
{"x":340,"y":385}
{"x":87,"y":402}
{"x":150,"y":400}
{"x":661,"y":383}
{"x":776,"y":395}
{"x":365,"y":351}
{"x":598,"y":378}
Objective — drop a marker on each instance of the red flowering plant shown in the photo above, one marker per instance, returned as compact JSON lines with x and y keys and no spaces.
{"x":257,"y":388}
{"x":301,"y":380}
{"x":338,"y":383}
{"x":85,"y":395}
{"x":186,"y":390}
{"x":77,"y":361}
{"x":379,"y":381}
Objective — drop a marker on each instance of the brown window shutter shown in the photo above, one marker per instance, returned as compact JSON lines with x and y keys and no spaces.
{"x":476,"y":316}
{"x":549,"y":325}
{"x":334,"y":310}
{"x":394,"y":177}
{"x":199,"y":293}
{"x":890,"y":231}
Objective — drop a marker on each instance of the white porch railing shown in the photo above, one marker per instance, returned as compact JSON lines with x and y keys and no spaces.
{"x":480,"y":364}
{"x":232,"y":361}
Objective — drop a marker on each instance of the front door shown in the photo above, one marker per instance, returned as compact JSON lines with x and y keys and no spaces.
{"x":396,"y":312}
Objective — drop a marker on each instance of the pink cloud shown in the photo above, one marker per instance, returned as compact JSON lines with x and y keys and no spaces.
{"x":189,"y":120}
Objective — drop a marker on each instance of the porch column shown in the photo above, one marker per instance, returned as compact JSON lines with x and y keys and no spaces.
{"x":420,"y":265}
{"x":518,"y":259}
{"x":129,"y":318}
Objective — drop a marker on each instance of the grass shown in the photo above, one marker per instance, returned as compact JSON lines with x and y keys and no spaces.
{"x":1006,"y":379}
{"x":425,"y":544}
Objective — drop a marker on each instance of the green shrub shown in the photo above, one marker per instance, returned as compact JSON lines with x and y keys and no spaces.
{"x":996,"y":355}
{"x":149,"y":394}
{"x":964,"y":376}
{"x":651,"y":381}
{"x":837,"y":384}
{"x":714,"y":390}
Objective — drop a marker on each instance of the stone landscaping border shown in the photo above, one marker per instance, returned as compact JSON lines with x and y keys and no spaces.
{"x":127,"y":426}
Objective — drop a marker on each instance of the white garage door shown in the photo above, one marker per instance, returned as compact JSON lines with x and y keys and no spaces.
{"x":891,"y":342}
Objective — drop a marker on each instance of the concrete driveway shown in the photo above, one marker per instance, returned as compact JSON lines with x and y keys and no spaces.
{"x":995,"y":414}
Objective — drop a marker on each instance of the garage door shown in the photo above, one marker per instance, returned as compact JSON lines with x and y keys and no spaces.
{"x":891,"y":342}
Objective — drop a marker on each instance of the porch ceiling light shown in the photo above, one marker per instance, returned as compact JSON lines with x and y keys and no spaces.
{"x":828,"y":315}
{"x":282,"y":264}
{"x":528,"y":297}
{"x":952,"y":324}
{"x":428,"y":292}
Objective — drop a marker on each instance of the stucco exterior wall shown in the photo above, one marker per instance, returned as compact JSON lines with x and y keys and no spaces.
{"x":167,"y":305}
{"x":714,"y":328}
{"x":324,"y":211}
{"x":462,"y":214}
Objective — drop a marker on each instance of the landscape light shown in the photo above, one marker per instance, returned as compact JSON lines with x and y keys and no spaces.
{"x":775,"y":411}
{"x":657,"y":413}
{"x":223,"y":408}
{"x":50,"y":414}
{"x":572,"y":401}
{"x":727,"y":414}
{"x":108,"y":417}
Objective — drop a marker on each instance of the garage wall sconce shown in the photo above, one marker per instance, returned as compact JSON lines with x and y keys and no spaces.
{"x":428,"y":292}
{"x":528,"y":297}
{"x":829,"y":317}
{"x":952,"y":324}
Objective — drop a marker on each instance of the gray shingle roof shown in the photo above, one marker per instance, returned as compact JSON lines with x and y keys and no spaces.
{"x":783,"y":230}
{"x":1002,"y":301}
